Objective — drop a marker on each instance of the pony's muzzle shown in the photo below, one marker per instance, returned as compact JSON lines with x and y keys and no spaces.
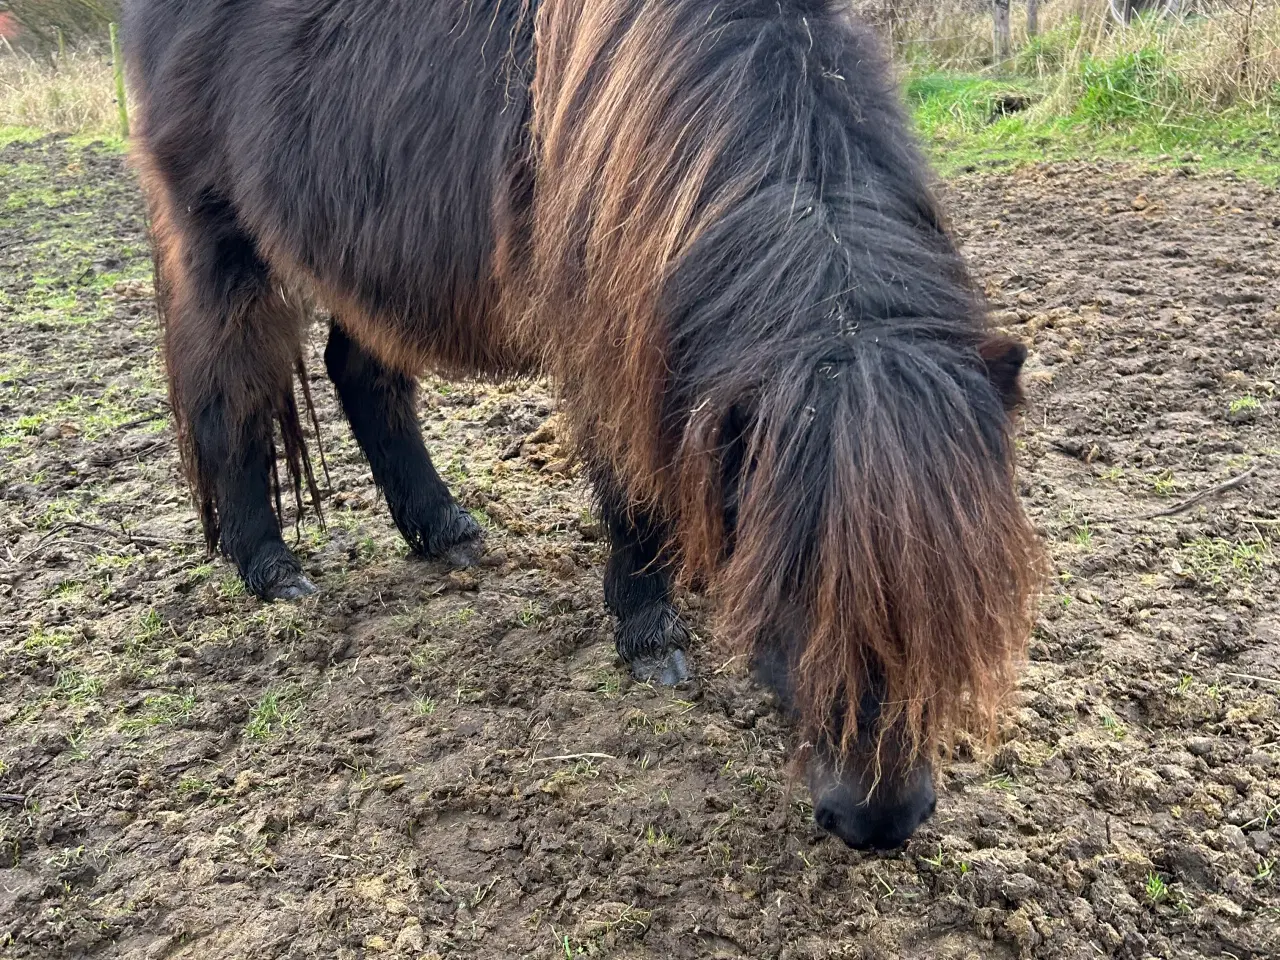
{"x":885,"y":820}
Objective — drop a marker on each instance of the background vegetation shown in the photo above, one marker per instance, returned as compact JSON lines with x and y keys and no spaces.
{"x":1067,"y":80}
{"x":1205,"y":82}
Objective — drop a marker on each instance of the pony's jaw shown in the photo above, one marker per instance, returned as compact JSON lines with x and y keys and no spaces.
{"x":884,"y":818}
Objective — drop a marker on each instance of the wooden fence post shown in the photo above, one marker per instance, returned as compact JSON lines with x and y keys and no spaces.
{"x":117,"y":63}
{"x":1003,"y":34}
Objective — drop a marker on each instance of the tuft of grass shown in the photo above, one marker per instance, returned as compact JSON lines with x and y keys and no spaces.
{"x":1121,"y":89}
{"x":567,"y":777}
{"x":608,"y":682}
{"x":76,"y":687}
{"x":1002,"y":781}
{"x":192,"y":786}
{"x":531,"y":614}
{"x":42,"y":639}
{"x":275,"y":711}
{"x":1221,"y":562}
{"x":1114,"y":726}
{"x":1245,"y":404}
{"x":163,"y":709}
{"x":657,"y":839}
{"x":1157,"y":891}
{"x":1164,"y":483}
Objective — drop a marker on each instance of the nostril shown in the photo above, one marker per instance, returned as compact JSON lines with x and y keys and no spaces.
{"x":825,"y":818}
{"x":933,"y":806}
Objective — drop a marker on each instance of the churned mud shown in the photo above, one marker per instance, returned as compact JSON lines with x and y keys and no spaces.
{"x":424,"y":763}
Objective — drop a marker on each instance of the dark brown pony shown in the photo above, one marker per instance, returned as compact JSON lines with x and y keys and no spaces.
{"x":708,"y":222}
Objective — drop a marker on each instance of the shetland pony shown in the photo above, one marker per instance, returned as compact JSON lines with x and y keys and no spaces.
{"x":709,"y":224}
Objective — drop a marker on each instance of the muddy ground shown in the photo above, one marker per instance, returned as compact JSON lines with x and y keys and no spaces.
{"x":431,"y":764}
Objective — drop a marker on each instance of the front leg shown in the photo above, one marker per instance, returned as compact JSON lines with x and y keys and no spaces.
{"x":637,"y":590}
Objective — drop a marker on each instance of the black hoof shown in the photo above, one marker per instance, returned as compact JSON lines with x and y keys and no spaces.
{"x":668,"y":670}
{"x":275,"y":574}
{"x":455,"y":539}
{"x":293,"y":588}
{"x":652,"y":641}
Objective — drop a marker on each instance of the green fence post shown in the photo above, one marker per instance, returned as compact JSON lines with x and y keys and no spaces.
{"x":117,"y":62}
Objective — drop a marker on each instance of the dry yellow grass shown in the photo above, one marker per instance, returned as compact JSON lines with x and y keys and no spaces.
{"x":72,"y":95}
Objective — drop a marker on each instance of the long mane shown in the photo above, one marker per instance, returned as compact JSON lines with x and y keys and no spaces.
{"x":739,"y":275}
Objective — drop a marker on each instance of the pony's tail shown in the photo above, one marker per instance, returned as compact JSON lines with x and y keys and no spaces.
{"x":269,"y":411}
{"x":876,"y":500}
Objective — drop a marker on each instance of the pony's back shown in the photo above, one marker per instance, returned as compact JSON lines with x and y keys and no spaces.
{"x":369,"y":149}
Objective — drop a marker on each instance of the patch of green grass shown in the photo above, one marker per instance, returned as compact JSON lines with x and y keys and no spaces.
{"x":164,"y":709}
{"x":69,"y":591}
{"x":61,"y":510}
{"x":1126,"y":106}
{"x":608,"y":682}
{"x":190,"y":786}
{"x":530,"y":614}
{"x":1002,"y":781}
{"x":576,"y":774}
{"x":1218,"y":561}
{"x":231,"y":587}
{"x":1123,"y":89}
{"x":13,"y":134}
{"x":659,"y":839}
{"x":41,"y":639}
{"x":76,"y":688}
{"x":1245,"y":404}
{"x":1164,"y":484}
{"x":150,"y":626}
{"x":277,"y":710}
{"x":90,"y":417}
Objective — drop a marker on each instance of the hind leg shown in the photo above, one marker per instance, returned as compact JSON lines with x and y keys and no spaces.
{"x":649,"y":635}
{"x":240,"y":456}
{"x":380,"y":403}
{"x":232,"y":341}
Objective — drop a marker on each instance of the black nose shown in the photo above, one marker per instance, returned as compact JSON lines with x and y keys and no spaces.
{"x":874,"y":826}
